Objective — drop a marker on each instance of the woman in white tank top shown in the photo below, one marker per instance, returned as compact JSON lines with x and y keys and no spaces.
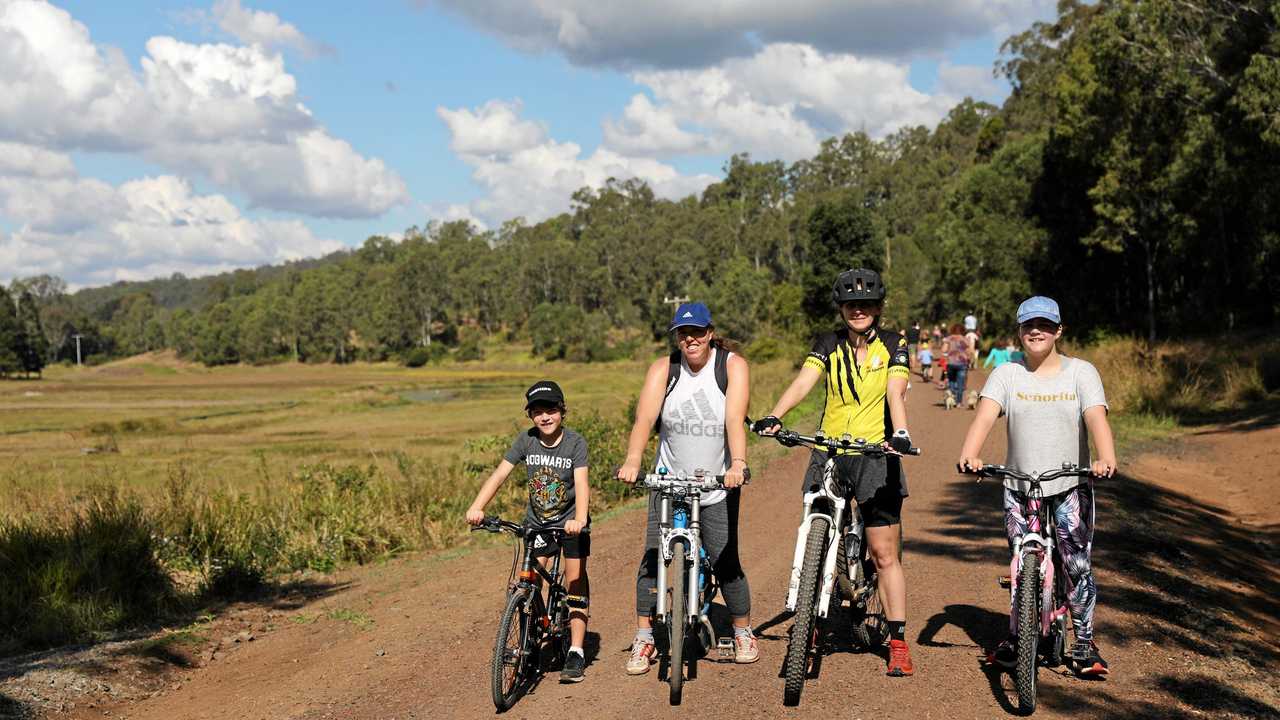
{"x":700,"y":424}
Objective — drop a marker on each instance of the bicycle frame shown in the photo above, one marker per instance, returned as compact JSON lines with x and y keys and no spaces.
{"x":830,"y":504}
{"x":1040,"y":544}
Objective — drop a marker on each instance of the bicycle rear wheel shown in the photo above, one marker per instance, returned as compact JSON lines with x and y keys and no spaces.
{"x":676,"y":575}
{"x":1028,"y":603}
{"x":802,"y":639}
{"x":511,"y":654}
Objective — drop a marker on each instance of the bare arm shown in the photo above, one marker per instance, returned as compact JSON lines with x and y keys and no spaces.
{"x":896,"y":395}
{"x":647,"y":409}
{"x":581,"y":502}
{"x":1095,"y":420}
{"x":475,"y":513}
{"x":979,"y":429}
{"x":735,"y":412}
{"x":799,"y":388}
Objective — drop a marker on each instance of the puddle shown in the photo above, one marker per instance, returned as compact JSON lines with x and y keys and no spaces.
{"x":430,"y":395}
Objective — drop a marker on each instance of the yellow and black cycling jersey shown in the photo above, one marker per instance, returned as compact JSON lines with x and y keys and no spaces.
{"x":855,"y":401}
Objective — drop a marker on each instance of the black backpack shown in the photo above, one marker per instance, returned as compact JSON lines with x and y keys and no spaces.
{"x":673,"y":377}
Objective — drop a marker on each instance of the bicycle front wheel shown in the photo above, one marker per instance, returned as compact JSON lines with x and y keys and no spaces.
{"x":802,"y":639}
{"x":676,"y":574}
{"x":511,"y":653}
{"x":1028,"y":603}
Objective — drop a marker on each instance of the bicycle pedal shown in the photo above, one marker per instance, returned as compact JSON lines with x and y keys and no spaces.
{"x":1005,"y":581}
{"x":725,"y":650}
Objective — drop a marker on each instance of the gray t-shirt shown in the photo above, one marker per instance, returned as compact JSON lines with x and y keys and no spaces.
{"x":551,"y":488}
{"x":1046,"y":418}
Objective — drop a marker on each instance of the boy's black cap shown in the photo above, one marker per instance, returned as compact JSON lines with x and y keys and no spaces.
{"x":543,"y":392}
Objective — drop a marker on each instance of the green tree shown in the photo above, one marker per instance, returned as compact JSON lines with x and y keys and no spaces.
{"x":13,"y":343}
{"x":35,"y":345}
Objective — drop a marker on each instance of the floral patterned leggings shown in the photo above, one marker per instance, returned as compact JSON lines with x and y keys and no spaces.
{"x":1073,"y":516}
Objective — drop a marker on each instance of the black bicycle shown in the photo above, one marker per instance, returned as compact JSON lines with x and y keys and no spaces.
{"x":1037,"y":582}
{"x":831,"y":556}
{"x":534,"y":631}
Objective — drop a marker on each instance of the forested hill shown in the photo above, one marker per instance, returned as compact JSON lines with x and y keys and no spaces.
{"x":1133,"y":173}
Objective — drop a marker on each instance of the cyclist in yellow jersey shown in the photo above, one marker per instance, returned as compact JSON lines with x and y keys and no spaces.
{"x":866,"y":371}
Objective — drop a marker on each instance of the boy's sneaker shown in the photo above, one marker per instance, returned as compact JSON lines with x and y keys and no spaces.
{"x":642,"y":654}
{"x":744,"y":649}
{"x":899,"y":659}
{"x":1005,"y":654}
{"x":1086,"y":661}
{"x":573,"y":667}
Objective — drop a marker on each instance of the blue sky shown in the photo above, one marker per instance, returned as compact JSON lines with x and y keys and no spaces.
{"x":148,"y":138}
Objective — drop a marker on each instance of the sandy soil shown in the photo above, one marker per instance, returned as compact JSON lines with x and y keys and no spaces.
{"x":1184,"y":558}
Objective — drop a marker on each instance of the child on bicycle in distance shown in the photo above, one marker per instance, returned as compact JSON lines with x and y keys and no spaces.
{"x":559,"y":495}
{"x":1055,"y":404}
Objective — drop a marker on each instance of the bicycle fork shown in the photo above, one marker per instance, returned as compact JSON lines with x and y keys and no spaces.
{"x":829,"y":560}
{"x":671,"y":528}
{"x":1030,"y":544}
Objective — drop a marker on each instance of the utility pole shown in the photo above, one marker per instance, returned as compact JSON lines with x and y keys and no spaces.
{"x":77,"y":337}
{"x":674,"y":300}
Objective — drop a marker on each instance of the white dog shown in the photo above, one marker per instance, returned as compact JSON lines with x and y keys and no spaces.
{"x":949,"y":400}
{"x":972,"y":400}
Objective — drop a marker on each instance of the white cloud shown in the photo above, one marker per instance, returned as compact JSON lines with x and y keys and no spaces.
{"x":535,"y":179}
{"x":90,"y":232}
{"x":679,"y":33}
{"x":646,"y":129}
{"x":257,"y":27}
{"x":27,"y":161}
{"x":229,"y":113}
{"x":970,"y":81}
{"x":779,"y":103}
{"x":494,"y":128}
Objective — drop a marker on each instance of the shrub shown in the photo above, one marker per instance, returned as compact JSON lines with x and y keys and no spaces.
{"x":419,"y":356}
{"x":469,"y":350}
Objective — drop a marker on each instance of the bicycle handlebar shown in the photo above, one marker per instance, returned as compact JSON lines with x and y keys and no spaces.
{"x":791,"y":438}
{"x":495,"y":524}
{"x":1002,"y":471}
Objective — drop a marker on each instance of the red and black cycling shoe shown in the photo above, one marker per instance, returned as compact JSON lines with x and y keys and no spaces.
{"x":899,"y":659}
{"x":1086,"y":661}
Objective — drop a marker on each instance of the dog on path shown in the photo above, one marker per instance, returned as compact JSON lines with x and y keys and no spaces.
{"x":949,"y":400}
{"x":971,"y":400}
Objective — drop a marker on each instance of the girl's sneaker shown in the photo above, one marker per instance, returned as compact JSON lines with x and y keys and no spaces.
{"x":1005,"y":654}
{"x":744,"y":649}
{"x":1086,"y":661}
{"x":642,"y":653}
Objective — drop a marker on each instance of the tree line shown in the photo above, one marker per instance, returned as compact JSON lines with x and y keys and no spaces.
{"x":1133,"y":173}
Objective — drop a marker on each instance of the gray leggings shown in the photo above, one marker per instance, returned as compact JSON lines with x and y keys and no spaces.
{"x":719,"y":538}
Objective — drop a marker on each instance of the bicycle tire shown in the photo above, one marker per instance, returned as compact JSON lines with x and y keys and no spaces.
{"x":1028,"y":602}
{"x":510,"y":652}
{"x":802,"y":628}
{"x":675,"y":573}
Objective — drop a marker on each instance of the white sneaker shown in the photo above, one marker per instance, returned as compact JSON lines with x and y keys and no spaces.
{"x":642,"y":656}
{"x":745,"y":650}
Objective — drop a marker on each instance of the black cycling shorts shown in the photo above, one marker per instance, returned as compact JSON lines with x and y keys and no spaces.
{"x":879,"y":482}
{"x":576,"y":546}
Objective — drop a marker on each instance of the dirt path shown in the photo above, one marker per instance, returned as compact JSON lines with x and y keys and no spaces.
{"x":1186,"y":613}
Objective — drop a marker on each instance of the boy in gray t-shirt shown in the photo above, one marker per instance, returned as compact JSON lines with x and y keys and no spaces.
{"x":1054,"y":404}
{"x":559,"y":497}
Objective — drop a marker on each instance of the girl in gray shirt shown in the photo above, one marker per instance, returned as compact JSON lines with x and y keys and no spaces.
{"x":1054,"y":405}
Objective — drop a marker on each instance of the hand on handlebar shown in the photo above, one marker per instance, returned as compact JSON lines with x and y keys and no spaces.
{"x":629,"y":473}
{"x":901,"y":441}
{"x":768,"y":425}
{"x":1102,"y":468}
{"x":475,"y":517}
{"x":573,"y":527}
{"x":735,"y":476}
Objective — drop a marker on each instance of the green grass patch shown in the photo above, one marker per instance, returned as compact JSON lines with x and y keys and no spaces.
{"x":359,"y":619}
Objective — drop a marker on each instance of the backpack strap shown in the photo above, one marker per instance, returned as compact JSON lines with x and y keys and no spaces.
{"x":673,"y":377}
{"x":722,"y":370}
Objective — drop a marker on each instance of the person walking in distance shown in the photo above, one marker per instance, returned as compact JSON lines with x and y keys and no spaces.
{"x":698,"y":399}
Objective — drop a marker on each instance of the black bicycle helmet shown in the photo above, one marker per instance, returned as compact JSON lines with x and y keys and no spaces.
{"x":858,"y":284}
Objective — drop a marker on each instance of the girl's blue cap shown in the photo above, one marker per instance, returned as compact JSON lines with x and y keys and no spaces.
{"x":1039,"y":307}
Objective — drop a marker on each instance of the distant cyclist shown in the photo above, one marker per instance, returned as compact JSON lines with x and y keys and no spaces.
{"x":1055,"y":404}
{"x":698,"y":398}
{"x":865,"y":370}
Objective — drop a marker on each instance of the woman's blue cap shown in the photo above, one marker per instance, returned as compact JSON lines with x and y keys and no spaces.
{"x":1039,"y":307}
{"x":693,"y":314}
